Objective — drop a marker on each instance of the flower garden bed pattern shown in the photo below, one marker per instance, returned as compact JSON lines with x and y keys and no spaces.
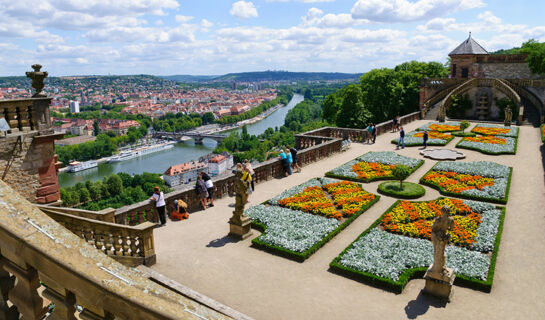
{"x":295,"y":227}
{"x":390,"y":260}
{"x":410,"y":190}
{"x":440,"y":126}
{"x":492,"y":145}
{"x":435,"y":138}
{"x":482,"y":180}
{"x":495,"y":130}
{"x":543,"y":133}
{"x":373,"y":166}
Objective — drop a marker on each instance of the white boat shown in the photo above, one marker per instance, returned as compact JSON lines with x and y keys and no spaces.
{"x":131,"y":154}
{"x":76,"y":166}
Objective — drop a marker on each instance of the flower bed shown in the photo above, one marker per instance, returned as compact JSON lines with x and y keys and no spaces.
{"x":302,"y":219}
{"x":543,"y":133}
{"x":493,"y":145}
{"x":390,"y":260}
{"x":440,"y":126}
{"x":416,"y":138}
{"x":373,"y":166}
{"x":495,"y":130}
{"x":481,"y":180}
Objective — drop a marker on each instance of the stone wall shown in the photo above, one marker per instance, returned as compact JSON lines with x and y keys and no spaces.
{"x":28,"y":165}
{"x":518,"y":70}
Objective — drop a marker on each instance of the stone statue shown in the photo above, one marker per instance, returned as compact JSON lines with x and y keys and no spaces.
{"x":442,"y":113}
{"x":508,"y":116}
{"x":440,"y":239}
{"x":37,"y":77}
{"x":239,"y":224}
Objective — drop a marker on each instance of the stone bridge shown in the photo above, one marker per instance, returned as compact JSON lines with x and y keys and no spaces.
{"x":198,"y":137}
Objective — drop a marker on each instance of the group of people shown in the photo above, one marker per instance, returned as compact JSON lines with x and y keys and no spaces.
{"x":371,"y":133}
{"x":288,"y":156}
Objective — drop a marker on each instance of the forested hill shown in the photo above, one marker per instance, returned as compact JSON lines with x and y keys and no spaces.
{"x":188,"y":78}
{"x":287,"y":76}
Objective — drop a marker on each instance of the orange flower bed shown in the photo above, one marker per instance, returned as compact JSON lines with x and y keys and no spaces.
{"x":457,"y":182}
{"x":371,"y":170}
{"x":490,"y":131}
{"x":349,"y":196}
{"x":444,"y":127}
{"x":415,"y":219}
{"x":486,"y":139}
{"x":434,"y":135}
{"x":312,"y":200}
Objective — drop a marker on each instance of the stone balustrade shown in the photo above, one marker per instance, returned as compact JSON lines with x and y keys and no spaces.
{"x":81,"y":281}
{"x":27,"y":115}
{"x":130,"y":245}
{"x":105,"y":215}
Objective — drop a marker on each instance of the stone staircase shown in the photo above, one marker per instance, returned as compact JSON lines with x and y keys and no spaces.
{"x":531,"y":116}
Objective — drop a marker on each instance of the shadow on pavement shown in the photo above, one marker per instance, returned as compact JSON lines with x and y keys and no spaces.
{"x":421,"y":305}
{"x":220,"y":242}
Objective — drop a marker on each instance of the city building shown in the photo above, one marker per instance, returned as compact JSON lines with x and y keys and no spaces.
{"x":74,"y":140}
{"x":74,"y":107}
{"x":183,"y":173}
{"x":220,"y":164}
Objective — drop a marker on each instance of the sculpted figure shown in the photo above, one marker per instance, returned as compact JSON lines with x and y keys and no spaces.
{"x":37,"y":77}
{"x":440,"y":239}
{"x":241,"y":195}
{"x":508,"y":116}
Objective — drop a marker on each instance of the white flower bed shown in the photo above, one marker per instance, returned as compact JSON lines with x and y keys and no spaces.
{"x":389,"y":255}
{"x":291,"y":229}
{"x":294,"y":190}
{"x":499,"y":172}
{"x":488,"y":229}
{"x":410,"y":139}
{"x":508,"y":147}
{"x":513,"y":131}
{"x":428,"y":125}
{"x":385,"y":157}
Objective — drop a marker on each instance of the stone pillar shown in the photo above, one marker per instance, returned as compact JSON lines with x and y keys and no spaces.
{"x":25,"y":293}
{"x":48,"y":169}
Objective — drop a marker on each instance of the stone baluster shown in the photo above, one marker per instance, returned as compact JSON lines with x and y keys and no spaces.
{"x":109,"y":244}
{"x":118,"y":245}
{"x":64,"y":300}
{"x":24,"y":294}
{"x":6,"y":284}
{"x":126,"y":245}
{"x":134,"y":248}
{"x":10,"y":114}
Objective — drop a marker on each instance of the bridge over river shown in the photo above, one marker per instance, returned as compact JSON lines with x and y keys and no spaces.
{"x":197,"y":136}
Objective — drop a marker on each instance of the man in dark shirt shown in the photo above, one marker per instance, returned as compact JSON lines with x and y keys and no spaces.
{"x":425,"y":137}
{"x":293,"y":152}
{"x":401,"y":138}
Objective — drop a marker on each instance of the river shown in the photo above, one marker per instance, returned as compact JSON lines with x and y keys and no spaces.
{"x":158,"y":162}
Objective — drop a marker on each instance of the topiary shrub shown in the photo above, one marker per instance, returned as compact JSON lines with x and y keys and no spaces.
{"x":464,"y":125}
{"x":401,"y":173}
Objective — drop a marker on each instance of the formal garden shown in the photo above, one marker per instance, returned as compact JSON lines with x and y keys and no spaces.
{"x":397,"y":246}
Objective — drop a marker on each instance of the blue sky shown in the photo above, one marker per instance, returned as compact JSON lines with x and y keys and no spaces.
{"x":163,"y":37}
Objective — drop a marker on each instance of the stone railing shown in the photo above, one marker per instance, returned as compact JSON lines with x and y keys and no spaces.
{"x":27,"y":115}
{"x":523,"y":92}
{"x":105,"y":215}
{"x":80,"y":280}
{"x":130,"y":245}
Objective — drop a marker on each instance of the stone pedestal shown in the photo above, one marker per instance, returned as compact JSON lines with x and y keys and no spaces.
{"x":439,"y":284}
{"x":240,"y":227}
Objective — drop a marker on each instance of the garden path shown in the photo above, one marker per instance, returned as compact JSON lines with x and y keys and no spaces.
{"x":197,"y":253}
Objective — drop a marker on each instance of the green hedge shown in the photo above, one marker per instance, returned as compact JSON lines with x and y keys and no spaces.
{"x":413,"y":273}
{"x":463,"y":134}
{"x":410,"y":190}
{"x":302,"y":256}
{"x":468,"y":196}
{"x":356,"y":179}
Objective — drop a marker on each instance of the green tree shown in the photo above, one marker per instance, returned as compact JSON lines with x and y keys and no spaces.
{"x":401,"y":172}
{"x":115,"y":185}
{"x":536,"y":55}
{"x":96,"y":128}
{"x":353,"y":113}
{"x":84,"y":195}
{"x":208,"y":118}
{"x":464,"y":125}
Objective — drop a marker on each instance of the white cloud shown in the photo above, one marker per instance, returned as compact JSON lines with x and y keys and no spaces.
{"x":304,"y":1}
{"x":183,"y":19}
{"x":316,"y":17}
{"x":243,"y":10}
{"x":403,"y":10}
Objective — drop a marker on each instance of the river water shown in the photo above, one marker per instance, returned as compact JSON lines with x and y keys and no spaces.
{"x":158,"y":162}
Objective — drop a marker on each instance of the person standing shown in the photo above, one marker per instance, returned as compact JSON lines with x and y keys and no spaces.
{"x":248,"y":167}
{"x":425,"y":138}
{"x":369,"y":133}
{"x":200,"y":186}
{"x":285,"y":163}
{"x":290,"y":160}
{"x":401,"y":138}
{"x":293,"y":152}
{"x":160,"y":204}
{"x":209,"y":187}
{"x":374,"y":133}
{"x":394,"y":124}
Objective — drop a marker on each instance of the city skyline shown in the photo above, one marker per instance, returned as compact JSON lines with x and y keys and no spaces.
{"x":166,"y":37}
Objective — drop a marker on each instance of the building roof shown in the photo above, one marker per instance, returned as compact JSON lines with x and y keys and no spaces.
{"x":184,"y":167}
{"x":469,"y":46}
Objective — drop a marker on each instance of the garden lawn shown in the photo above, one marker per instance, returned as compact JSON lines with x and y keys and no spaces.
{"x":300,"y":220}
{"x":397,"y":246}
{"x":373,"y":166}
{"x":435,"y":138}
{"x":481,"y":180}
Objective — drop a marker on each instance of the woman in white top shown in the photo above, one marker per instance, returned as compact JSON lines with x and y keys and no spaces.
{"x":159,"y":199}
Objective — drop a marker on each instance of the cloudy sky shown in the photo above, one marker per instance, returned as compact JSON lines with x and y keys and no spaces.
{"x":164,"y":37}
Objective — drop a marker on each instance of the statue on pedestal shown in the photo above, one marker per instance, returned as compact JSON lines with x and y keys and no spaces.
{"x":37,"y":77}
{"x":240,"y":225}
{"x":439,"y":278}
{"x":442,"y":116}
{"x":508,"y":116}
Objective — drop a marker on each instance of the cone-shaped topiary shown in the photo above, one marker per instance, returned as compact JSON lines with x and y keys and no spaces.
{"x":401,"y":173}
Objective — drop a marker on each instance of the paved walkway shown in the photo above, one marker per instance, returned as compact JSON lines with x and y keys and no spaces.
{"x":197,"y":253}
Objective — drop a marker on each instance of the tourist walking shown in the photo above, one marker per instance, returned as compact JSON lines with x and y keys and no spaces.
{"x":285,"y":162}
{"x":293,"y":152}
{"x":200,"y":187}
{"x":401,"y":138}
{"x":374,"y":133}
{"x":425,"y":138}
{"x":160,"y":204}
{"x":290,"y":160}
{"x":209,"y":187}
{"x":369,"y":133}
{"x":248,"y":167}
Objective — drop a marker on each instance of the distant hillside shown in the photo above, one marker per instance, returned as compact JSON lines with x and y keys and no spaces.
{"x":286,"y":75}
{"x":188,"y":78}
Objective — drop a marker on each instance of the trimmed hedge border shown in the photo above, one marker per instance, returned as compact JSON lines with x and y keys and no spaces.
{"x":382,"y":190}
{"x":542,"y":130}
{"x":468,"y":196}
{"x":356,"y":179}
{"x":488,"y":152}
{"x":302,"y":256}
{"x":413,"y":273}
{"x":463,"y":134}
